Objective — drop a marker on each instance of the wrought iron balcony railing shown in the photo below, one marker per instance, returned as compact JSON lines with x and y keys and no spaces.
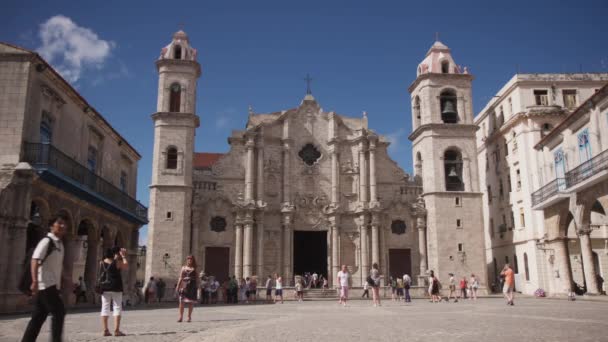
{"x":47,"y":156}
{"x":587,"y":169}
{"x":548,"y":190}
{"x":573,"y":177}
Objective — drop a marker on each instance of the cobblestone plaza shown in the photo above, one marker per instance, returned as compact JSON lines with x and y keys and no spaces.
{"x":488,"y":319}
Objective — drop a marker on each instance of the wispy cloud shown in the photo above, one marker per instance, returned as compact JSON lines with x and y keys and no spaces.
{"x":71,"y":48}
{"x":122,"y":72}
{"x":223,"y":118}
{"x":395,"y":139}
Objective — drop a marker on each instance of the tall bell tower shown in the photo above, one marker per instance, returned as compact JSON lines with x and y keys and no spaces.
{"x":444,"y":151}
{"x":175,"y":123}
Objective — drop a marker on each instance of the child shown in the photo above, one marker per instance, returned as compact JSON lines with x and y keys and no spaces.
{"x":299,"y":291}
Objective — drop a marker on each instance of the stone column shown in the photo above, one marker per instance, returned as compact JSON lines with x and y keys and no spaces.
{"x":286,"y":172}
{"x":92,"y":262}
{"x":562,"y":264}
{"x":70,"y":245}
{"x":287,"y":237}
{"x":362,"y":173}
{"x":421,"y":225}
{"x":588,"y":265}
{"x":375,"y":239}
{"x":335,"y":252}
{"x":364,"y":246}
{"x":238,"y":253}
{"x":260,"y":247}
{"x":372,"y":173}
{"x":249,"y":169}
{"x":334,"y":176}
{"x":247,"y":248}
{"x":260,"y":178}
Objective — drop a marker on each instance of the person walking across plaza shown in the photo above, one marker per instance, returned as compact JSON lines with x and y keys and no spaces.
{"x":434,"y":288}
{"x":509,"y":285}
{"x":299,"y":290}
{"x":253,"y":289}
{"x":160,"y":289}
{"x":268,"y":289}
{"x":187,"y":287}
{"x":463,"y":288}
{"x":452,"y":284}
{"x":46,"y":268}
{"x":365,"y":290}
{"x":150,"y":291}
{"x":110,"y":284}
{"x":278,"y":292}
{"x":374,"y":275}
{"x":343,"y":281}
{"x":473,"y":285}
{"x":407,"y":283}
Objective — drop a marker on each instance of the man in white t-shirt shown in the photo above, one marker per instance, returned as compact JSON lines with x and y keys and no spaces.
{"x":47,"y":267}
{"x":343,"y":280}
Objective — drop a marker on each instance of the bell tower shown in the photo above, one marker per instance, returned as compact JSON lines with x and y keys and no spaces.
{"x":175,"y":122}
{"x":444,"y":152}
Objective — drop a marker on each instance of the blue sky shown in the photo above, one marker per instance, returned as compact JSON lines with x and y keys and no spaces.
{"x":362,"y":55}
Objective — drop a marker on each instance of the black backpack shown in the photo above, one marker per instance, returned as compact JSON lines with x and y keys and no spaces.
{"x":104,"y":283}
{"x":25,"y":282}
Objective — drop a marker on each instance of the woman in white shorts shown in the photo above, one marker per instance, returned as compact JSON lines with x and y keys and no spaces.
{"x":110,"y":285}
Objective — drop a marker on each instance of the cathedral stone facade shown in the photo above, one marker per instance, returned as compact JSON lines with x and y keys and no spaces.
{"x":305,"y":190}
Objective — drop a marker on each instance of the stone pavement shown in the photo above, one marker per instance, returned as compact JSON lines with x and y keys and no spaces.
{"x":488,"y":319}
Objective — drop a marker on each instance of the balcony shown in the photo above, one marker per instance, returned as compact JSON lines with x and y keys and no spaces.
{"x":583,"y":176}
{"x":62,"y":171}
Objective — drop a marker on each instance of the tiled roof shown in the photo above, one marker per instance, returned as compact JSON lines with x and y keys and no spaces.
{"x":203,"y":160}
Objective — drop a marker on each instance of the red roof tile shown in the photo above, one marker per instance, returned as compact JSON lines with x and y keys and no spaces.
{"x":203,"y":160}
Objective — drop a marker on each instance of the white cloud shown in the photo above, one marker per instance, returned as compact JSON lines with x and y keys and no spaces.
{"x":70,"y":48}
{"x":394,"y":138}
{"x":223,"y":117}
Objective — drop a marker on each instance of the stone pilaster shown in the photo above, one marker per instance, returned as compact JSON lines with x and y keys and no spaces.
{"x":375,"y":238}
{"x":249,"y":168}
{"x":238,"y":251}
{"x":362,"y":174}
{"x":584,"y":233}
{"x":364,"y":246}
{"x":260,"y":247}
{"x":335,"y":249}
{"x":248,"y":248}
{"x":372,"y":173}
{"x":287,"y":243}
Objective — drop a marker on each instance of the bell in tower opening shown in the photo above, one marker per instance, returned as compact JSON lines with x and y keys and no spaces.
{"x":448,"y":107}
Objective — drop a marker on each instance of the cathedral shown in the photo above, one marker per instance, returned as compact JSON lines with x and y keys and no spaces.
{"x":305,"y":190}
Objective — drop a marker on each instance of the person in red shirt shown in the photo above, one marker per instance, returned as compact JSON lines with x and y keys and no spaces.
{"x":509,"y":285}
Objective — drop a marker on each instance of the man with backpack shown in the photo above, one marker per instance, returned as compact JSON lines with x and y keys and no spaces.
{"x":46,"y":267}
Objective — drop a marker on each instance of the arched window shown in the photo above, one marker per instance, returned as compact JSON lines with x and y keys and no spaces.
{"x":445,"y":67}
{"x":418,"y":165}
{"x":452,"y":161}
{"x":178,"y":52}
{"x":171,"y":158}
{"x":417,"y":107}
{"x":175,"y":97}
{"x":526,"y":269}
{"x":448,"y":102}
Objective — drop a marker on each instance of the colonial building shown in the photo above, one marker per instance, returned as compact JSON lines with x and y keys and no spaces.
{"x":60,"y":155}
{"x":523,"y":111}
{"x":305,"y":190}
{"x":573,"y":196}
